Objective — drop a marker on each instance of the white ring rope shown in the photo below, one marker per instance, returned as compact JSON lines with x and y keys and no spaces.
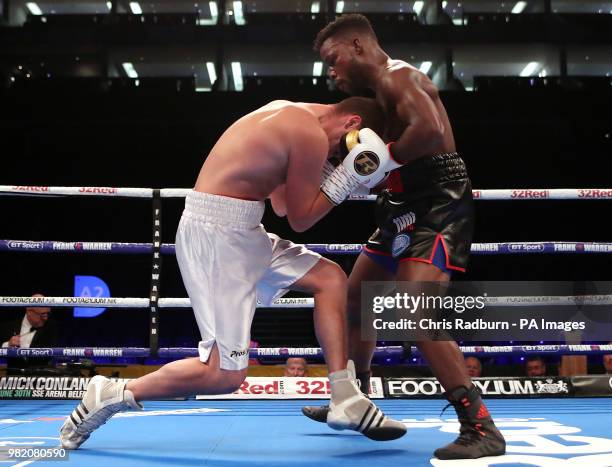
{"x":493,"y":195}
{"x":130,"y":302}
{"x":106,"y":192}
{"x":305,"y":302}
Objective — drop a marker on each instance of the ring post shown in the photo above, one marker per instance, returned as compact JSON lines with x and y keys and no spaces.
{"x":155,"y":274}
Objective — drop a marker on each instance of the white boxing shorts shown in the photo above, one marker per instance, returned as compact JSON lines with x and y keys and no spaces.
{"x":228,"y":261}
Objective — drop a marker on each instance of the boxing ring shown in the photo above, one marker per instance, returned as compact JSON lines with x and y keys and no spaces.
{"x":557,"y":430}
{"x":274,"y":433}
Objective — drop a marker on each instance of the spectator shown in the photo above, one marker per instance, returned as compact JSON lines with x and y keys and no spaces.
{"x":607,"y":361}
{"x":535,"y":366}
{"x":474,"y":367}
{"x":33,"y":330}
{"x":296,"y":367}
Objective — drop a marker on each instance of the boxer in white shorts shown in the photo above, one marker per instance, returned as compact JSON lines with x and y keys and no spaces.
{"x":228,"y":261}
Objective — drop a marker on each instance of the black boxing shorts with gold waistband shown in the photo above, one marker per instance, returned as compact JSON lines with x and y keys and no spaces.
{"x":425,"y":215}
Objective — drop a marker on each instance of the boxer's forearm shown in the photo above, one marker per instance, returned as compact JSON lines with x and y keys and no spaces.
{"x":416,"y":141}
{"x":313,"y":214}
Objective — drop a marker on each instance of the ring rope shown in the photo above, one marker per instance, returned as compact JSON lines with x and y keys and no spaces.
{"x":507,"y":194}
{"x":299,"y":302}
{"x":312,"y":352}
{"x":493,"y":195}
{"x":130,"y":302}
{"x":498,"y":248}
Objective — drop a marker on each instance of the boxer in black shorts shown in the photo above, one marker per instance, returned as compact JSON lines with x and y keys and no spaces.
{"x":425,"y":216}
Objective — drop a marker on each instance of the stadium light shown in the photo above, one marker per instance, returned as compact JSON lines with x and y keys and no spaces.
{"x":519,"y":7}
{"x":135,"y":7}
{"x":34,"y":8}
{"x":238,"y":14}
{"x":425,"y":67}
{"x":530,"y":69}
{"x":129,"y":69}
{"x":418,"y":7}
{"x":214,"y":9}
{"x":212,"y":72}
{"x":214,"y":15}
{"x":237,"y":75}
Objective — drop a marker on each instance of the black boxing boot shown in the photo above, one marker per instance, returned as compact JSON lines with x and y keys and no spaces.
{"x":478,"y":435}
{"x":319,"y":413}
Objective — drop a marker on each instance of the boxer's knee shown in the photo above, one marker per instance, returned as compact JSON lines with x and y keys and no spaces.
{"x":231,"y":380}
{"x":336,"y":278}
{"x":212,"y":379}
{"x":330,"y":276}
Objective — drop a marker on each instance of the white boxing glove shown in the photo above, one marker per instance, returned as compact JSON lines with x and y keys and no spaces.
{"x":375,"y":144}
{"x":367,"y":163}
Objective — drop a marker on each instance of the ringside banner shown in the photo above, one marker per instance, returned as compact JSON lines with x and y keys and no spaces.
{"x":290,"y":388}
{"x":49,"y":388}
{"x":419,"y":388}
{"x":43,"y":387}
{"x":592,"y":385}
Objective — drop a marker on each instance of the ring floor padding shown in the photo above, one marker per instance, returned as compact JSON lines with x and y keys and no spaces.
{"x":540,"y":432}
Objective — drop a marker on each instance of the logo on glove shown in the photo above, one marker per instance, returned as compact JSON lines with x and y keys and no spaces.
{"x":366,"y":163}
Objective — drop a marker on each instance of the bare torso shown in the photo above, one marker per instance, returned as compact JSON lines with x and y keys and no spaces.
{"x":249,"y":161}
{"x":399,"y":75}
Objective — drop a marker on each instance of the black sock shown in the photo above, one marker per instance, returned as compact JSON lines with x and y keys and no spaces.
{"x":364,"y":381}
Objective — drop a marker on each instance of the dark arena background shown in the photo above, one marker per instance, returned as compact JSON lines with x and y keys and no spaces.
{"x":135,"y":94}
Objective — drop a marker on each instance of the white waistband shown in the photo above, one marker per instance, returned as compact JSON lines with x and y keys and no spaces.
{"x":218,"y":209}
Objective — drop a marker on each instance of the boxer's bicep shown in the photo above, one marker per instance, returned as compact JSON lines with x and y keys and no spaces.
{"x":305,"y":204}
{"x":416,"y":109}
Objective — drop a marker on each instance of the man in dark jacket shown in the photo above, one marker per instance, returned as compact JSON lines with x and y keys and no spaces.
{"x":32,"y":330}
